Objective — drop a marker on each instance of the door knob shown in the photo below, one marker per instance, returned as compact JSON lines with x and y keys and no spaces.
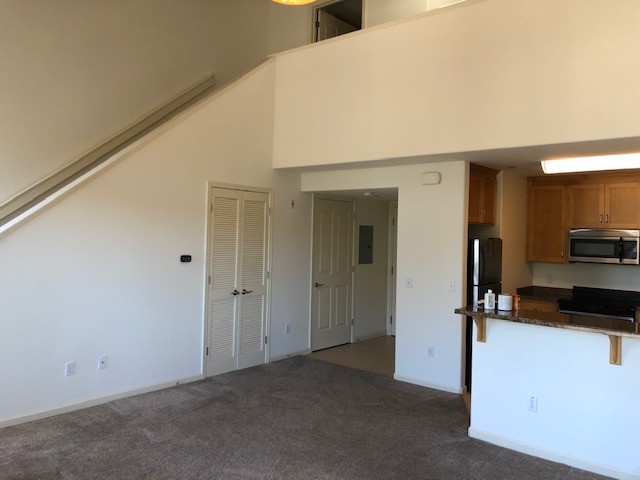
{"x":244,"y":292}
{"x":235,"y":292}
{"x":318,"y":284}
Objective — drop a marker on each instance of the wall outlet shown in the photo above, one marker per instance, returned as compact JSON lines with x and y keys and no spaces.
{"x":452,"y":286}
{"x":532,"y":404}
{"x":69,"y":368}
{"x":287,"y":329}
{"x":408,"y":282}
{"x":102,"y":362}
{"x":431,"y":351}
{"x":549,"y":279}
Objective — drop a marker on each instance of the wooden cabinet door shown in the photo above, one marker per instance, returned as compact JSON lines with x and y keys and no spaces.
{"x":539,"y":305}
{"x":586,"y":206}
{"x":474,"y":199}
{"x":489,"y":201}
{"x":547,"y":224}
{"x":622,"y":205}
{"x":482,"y":195}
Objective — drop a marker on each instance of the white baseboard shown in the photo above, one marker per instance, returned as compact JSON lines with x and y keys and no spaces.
{"x":372,"y":336}
{"x":95,"y":401}
{"x":277,"y":358}
{"x":422,"y":383}
{"x":551,"y":455}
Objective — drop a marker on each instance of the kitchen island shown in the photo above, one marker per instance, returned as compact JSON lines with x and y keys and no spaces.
{"x":559,"y":386}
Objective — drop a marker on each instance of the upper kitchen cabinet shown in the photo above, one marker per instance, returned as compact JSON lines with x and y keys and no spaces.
{"x":547,"y":223}
{"x":598,"y":205}
{"x":482,"y":194}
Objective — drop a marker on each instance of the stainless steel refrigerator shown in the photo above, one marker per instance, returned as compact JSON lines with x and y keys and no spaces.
{"x":484,"y":273}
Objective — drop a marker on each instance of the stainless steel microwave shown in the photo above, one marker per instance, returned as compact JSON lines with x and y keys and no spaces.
{"x":604,"y":246}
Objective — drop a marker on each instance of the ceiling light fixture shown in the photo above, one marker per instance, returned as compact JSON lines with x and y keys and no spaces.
{"x":294,"y":2}
{"x":625,"y":161}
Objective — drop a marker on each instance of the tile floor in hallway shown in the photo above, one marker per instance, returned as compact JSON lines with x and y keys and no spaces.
{"x":375,"y":355}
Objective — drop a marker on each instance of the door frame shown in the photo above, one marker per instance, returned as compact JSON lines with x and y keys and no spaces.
{"x":207,"y":256}
{"x":320,"y":5}
{"x":392,"y":279}
{"x":322,"y":196}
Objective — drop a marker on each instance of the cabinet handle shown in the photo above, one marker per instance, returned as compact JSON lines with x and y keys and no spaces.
{"x":601,"y":218}
{"x":562,"y":254}
{"x":606,"y":218}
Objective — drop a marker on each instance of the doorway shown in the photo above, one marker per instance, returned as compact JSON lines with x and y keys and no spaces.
{"x":336,"y":18}
{"x":237,"y":279}
{"x":369,"y":339}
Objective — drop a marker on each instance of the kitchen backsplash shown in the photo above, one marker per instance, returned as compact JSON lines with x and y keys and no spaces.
{"x":620,"y":277}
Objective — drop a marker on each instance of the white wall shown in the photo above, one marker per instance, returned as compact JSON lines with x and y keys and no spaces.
{"x":99,"y":273}
{"x":491,"y":74}
{"x":622,"y":277}
{"x":432,"y":228}
{"x":75,"y":73}
{"x":371,"y":279}
{"x":516,"y":272}
{"x":582,"y":399}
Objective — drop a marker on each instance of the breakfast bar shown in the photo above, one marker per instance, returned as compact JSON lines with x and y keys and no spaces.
{"x":614,"y":328}
{"x":558,"y":386}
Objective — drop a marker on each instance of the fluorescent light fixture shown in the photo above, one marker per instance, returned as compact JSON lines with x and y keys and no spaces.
{"x":294,"y":2}
{"x":591,"y":164}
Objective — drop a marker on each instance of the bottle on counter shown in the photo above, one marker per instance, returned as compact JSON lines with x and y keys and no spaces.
{"x":489,"y":300}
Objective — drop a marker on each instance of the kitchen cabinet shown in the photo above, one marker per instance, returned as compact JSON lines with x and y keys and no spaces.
{"x":547,"y":223}
{"x":482,"y":195}
{"x":539,"y":305}
{"x":608,"y":205}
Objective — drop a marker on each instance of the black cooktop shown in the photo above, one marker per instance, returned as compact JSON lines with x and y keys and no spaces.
{"x":602,"y":301}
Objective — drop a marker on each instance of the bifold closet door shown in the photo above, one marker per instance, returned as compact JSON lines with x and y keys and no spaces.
{"x":238,"y":233}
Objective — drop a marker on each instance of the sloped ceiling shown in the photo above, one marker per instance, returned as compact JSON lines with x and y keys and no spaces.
{"x":76,"y":72}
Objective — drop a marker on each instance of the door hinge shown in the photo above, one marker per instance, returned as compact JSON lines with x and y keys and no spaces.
{"x":391,"y":270}
{"x":268,"y":275}
{"x":352,"y":321}
{"x":209,"y":279}
{"x":211,"y":209}
{"x":391,"y":319}
{"x":207,"y":351}
{"x":265,"y":340}
{"x":353,"y":269}
{"x":269,"y":211}
{"x":317,"y":24}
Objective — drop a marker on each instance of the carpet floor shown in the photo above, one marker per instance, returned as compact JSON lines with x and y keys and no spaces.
{"x":295,"y":419}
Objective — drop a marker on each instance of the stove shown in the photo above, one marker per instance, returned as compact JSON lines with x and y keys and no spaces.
{"x":602,"y":302}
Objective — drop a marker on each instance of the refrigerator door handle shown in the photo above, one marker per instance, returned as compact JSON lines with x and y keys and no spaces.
{"x":481,"y":267}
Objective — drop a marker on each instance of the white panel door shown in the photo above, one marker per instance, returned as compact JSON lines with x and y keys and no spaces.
{"x":238,"y":254}
{"x":332,"y":273}
{"x":329,"y":26}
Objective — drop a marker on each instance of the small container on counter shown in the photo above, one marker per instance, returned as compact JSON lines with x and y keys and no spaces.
{"x":490,"y":300}
{"x":516,"y":302}
{"x":505,"y":302}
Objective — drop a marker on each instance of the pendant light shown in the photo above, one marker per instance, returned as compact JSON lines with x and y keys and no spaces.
{"x":294,"y":2}
{"x":592,"y":164}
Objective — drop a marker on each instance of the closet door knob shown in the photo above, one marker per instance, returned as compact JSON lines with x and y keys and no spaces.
{"x":244,"y":292}
{"x":318,"y":284}
{"x":235,"y":292}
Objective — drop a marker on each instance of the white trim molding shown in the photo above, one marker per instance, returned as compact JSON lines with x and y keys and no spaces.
{"x":422,"y":383}
{"x":551,"y":455}
{"x":96,"y":401}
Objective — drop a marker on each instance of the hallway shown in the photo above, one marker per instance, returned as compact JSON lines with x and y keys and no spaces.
{"x":375,"y":355}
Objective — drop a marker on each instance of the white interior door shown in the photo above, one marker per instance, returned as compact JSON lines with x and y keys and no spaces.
{"x":332,"y":273}
{"x":329,"y":26}
{"x":238,"y":253}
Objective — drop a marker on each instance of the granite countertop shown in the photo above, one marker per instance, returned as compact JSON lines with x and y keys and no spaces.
{"x":549,"y":294}
{"x":585,"y":323}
